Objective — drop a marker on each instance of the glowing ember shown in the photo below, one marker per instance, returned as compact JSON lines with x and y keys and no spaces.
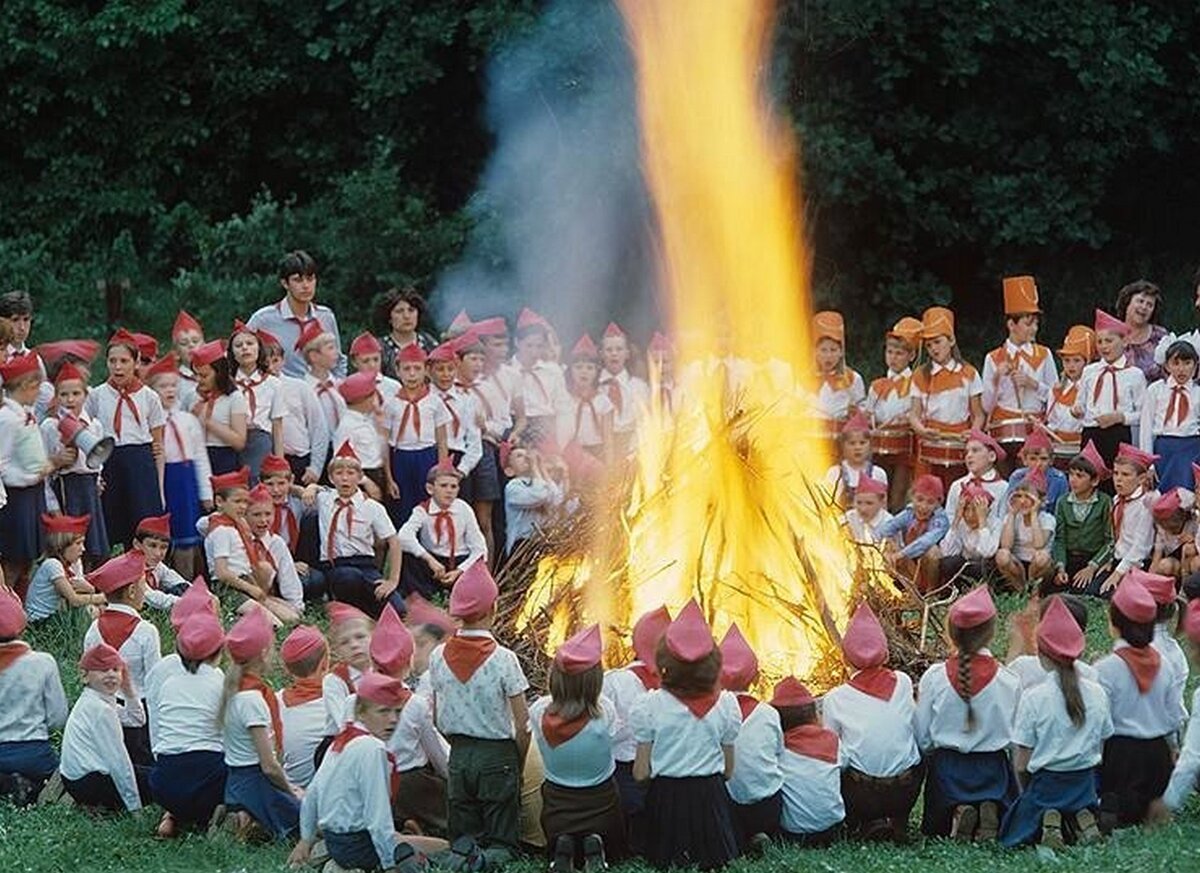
{"x":721,"y":507}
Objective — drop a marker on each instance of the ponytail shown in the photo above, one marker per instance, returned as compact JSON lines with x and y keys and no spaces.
{"x":969,"y":641}
{"x":964,"y":687}
{"x":1068,"y":681}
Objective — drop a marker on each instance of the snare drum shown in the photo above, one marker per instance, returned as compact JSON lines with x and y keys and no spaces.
{"x":889,"y":441}
{"x":1014,"y":431}
{"x":941,"y":451}
{"x":1066,"y":447}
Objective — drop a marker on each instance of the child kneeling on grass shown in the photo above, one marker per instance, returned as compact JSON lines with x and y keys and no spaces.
{"x":1187,"y":766}
{"x":813,"y":809}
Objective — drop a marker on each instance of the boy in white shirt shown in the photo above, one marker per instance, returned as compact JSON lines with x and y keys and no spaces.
{"x":321,"y":356}
{"x":869,"y":511}
{"x":1027,"y":535}
{"x":813,"y":810}
{"x":531,"y":497}
{"x":974,"y":535}
{"x":441,"y":538}
{"x":464,"y":439}
{"x":305,"y":656}
{"x":152,"y":538}
{"x":629,"y":395}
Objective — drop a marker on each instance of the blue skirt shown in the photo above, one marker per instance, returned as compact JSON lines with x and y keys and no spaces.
{"x":22,"y":539}
{"x":183,"y":502}
{"x":33,"y":759}
{"x":1067,"y":791}
{"x":222,"y":459}
{"x":131,"y":491}
{"x":955,"y":778}
{"x":1174,"y":465}
{"x":259,"y":444}
{"x":409,"y":469}
{"x":78,"y":495}
{"x":190,"y":785}
{"x":278,"y":812}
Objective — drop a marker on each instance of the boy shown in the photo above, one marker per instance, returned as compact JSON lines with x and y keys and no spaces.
{"x":321,"y":355}
{"x":152,"y":538}
{"x":889,"y":400}
{"x":973,"y":538}
{"x":479,"y":702}
{"x":1132,"y":517}
{"x":187,"y":335}
{"x":285,"y":599}
{"x":911,"y":537}
{"x":293,"y":524}
{"x":351,"y":525}
{"x":1078,"y":350}
{"x":464,"y":439}
{"x":541,"y":383}
{"x":813,"y":810}
{"x":530,"y":497}
{"x":23,"y":470}
{"x":629,"y":395}
{"x":869,"y":513}
{"x":305,"y":656}
{"x":1036,"y":456}
{"x":366,"y":356}
{"x":415,"y":421}
{"x":498,"y":390}
{"x":359,"y":428}
{"x":1018,"y":376}
{"x":1026,"y":536}
{"x":1083,"y":523}
{"x":983,"y":453}
{"x":1110,"y":391}
{"x":16,"y":314}
{"x":297,"y":311}
{"x":441,"y":538}
{"x":306,"y":430}
{"x":233,"y":558}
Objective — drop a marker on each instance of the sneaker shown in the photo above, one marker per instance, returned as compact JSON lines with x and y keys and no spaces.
{"x":966,"y":819}
{"x":989,"y":822}
{"x":465,"y":856}
{"x":756,"y":847}
{"x":563,"y":860}
{"x":1052,"y":834}
{"x":1089,"y":829}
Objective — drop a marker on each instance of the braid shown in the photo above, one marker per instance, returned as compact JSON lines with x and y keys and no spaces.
{"x":964,"y":685}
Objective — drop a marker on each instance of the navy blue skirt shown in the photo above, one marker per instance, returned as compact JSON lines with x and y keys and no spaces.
{"x":22,"y":539}
{"x":223,"y":459}
{"x":689,"y":821}
{"x":955,"y":778}
{"x":409,"y":469}
{"x":259,"y":444}
{"x":33,"y":759}
{"x":79,"y":494}
{"x":189,"y":786}
{"x":131,"y":491}
{"x":183,"y":502}
{"x":1174,"y":464}
{"x":277,"y":812}
{"x":1068,"y":791}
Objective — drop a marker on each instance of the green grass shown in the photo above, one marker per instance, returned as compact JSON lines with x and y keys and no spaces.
{"x":61,"y":838}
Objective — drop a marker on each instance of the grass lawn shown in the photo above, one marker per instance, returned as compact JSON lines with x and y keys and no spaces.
{"x":61,"y":838}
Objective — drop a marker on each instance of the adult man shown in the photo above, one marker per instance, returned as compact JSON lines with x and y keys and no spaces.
{"x":287,"y":318}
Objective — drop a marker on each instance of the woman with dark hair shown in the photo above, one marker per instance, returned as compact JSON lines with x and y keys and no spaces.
{"x":399,"y":315}
{"x":1137,"y":305}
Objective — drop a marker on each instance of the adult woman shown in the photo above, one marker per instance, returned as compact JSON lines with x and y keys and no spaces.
{"x":1137,"y":306}
{"x":401,"y":310}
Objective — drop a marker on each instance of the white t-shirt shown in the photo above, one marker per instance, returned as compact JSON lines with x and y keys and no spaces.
{"x":247,"y":709}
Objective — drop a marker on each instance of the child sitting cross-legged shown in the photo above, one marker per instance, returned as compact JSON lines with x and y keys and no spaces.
{"x":1027,"y":534}
{"x":152,"y":538}
{"x":911,"y":537}
{"x":970,"y":546}
{"x":243,"y":576}
{"x":441,"y":538}
{"x":1175,"y":534}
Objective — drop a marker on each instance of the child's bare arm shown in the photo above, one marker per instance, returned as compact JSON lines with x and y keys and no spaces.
{"x":520,"y":717}
{"x":641,"y":762}
{"x":267,"y":761}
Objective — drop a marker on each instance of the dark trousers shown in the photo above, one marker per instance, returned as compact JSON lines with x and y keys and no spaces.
{"x":1107,"y":440}
{"x":873,"y":798}
{"x":415,"y":575}
{"x":99,"y":791}
{"x":484,"y":791}
{"x":353,"y":580}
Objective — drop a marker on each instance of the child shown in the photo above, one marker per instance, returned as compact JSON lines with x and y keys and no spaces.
{"x":629,"y":395}
{"x":221,"y":408}
{"x":285,"y":596}
{"x":973,"y":538}
{"x":945,"y":399}
{"x":1083,"y":524}
{"x":813,"y":809}
{"x":1141,"y":684}
{"x":1061,"y":727}
{"x":1132,"y":518}
{"x":187,"y":485}
{"x":187,"y":335}
{"x":350,"y":798}
{"x":59,"y":578}
{"x":359,"y":426}
{"x":660,"y":365}
{"x":574,"y":727}
{"x":256,"y":789}
{"x":627,"y":688}
{"x":1174,"y":552}
{"x":1023,"y":658}
{"x":757,"y":781}
{"x":531,"y":496}
{"x":23,"y":470}
{"x":350,"y":640}
{"x":585,"y":416}
{"x":233,"y":558}
{"x":122,"y":580}
{"x":479,"y":702}
{"x":321,"y":357}
{"x":75,"y":485}
{"x":306,"y":431}
{"x":133,"y":416}
{"x":541,"y":382}
{"x":294,"y":525}
{"x":441,"y":538}
{"x":16,"y":323}
{"x":96,"y":768}
{"x":1110,"y":390}
{"x":1037,"y":454}
{"x":305,"y":657}
{"x":247,"y":358}
{"x":911,"y":538}
{"x":1026,"y":536}
{"x":872,"y":715}
{"x":1184,"y":777}
{"x":1163,"y":590}
{"x":415,"y":421}
{"x":152,"y":540}
{"x":430,"y":625}
{"x":981,"y":455}
{"x":352,"y":526}
{"x":188,"y":778}
{"x":888,"y":403}
{"x":685,"y":736}
{"x":842,"y":391}
{"x":463,"y":437}
{"x":1018,"y":376}
{"x":34,"y":705}
{"x":1064,"y":417}
{"x":1170,"y":418}
{"x":366,"y":356}
{"x":869,"y":512}
{"x":965,"y":708}
{"x":854,"y":442}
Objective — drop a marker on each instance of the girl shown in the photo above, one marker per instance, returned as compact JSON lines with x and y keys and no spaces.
{"x":1110,"y":390}
{"x":981,"y":455}
{"x":973,"y":538}
{"x":59,"y":578}
{"x":285,"y":595}
{"x":256,"y":789}
{"x":34,"y":705}
{"x":1170,"y":418}
{"x":1060,"y":729}
{"x":75,"y":485}
{"x":585,"y":416}
{"x":96,"y":769}
{"x":265,"y":410}
{"x":23,"y":470}
{"x":685,"y":734}
{"x":400,"y":313}
{"x":965,"y":707}
{"x":416,"y":421}
{"x":222,"y":409}
{"x":1037,"y":454}
{"x":1174,"y":552}
{"x":946,"y":399}
{"x":187,"y":335}
{"x":1136,"y":765}
{"x":188,"y":778}
{"x":854,"y":443}
{"x":574,"y":728}
{"x":1063,"y":418}
{"x":813,"y":809}
{"x":1163,"y":590}
{"x":541,"y":381}
{"x":888,"y":402}
{"x":133,"y":416}
{"x":349,"y":642}
{"x":628,"y":394}
{"x":842,"y":391}
{"x":1027,"y":535}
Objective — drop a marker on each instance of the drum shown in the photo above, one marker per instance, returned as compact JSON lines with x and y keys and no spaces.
{"x":1066,"y":447}
{"x":941,"y":451}
{"x":1013,"y":431}
{"x":889,"y":441}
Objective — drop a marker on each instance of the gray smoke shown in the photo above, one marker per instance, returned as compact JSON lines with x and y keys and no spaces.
{"x":562,"y":216}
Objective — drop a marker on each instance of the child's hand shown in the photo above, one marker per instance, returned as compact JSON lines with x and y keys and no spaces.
{"x":435,"y":567}
{"x":300,"y":854}
{"x":393,"y":489}
{"x":385,"y":587}
{"x":1061,"y":579}
{"x":1109,"y":419}
{"x":1109,"y":584}
{"x":301,"y":567}
{"x":1024,"y":380}
{"x":65,"y":456}
{"x":1084,"y":577}
{"x":309,"y":497}
{"x":310,"y":477}
{"x":451,"y":576}
{"x":372,"y":489}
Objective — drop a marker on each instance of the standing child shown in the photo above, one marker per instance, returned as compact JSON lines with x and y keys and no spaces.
{"x":842,"y":391}
{"x":479,"y":702}
{"x":965,"y":708}
{"x":463,"y":437}
{"x":869,"y":512}
{"x":1061,"y":727}
{"x":1037,"y":454}
{"x":415,"y":421}
{"x":96,"y":768}
{"x":366,"y":356}
{"x":685,"y":733}
{"x":1170,"y":418}
{"x":321,"y":357}
{"x":305,"y":657}
{"x":256,"y":788}
{"x":1064,"y":416}
{"x":586,"y":417}
{"x":441,"y":538}
{"x":187,"y":335}
{"x":221,"y":408}
{"x":574,"y":728}
{"x":911,"y":538}
{"x":629,"y":395}
{"x":1027,"y":535}
{"x":854,"y":443}
{"x":1083,"y":524}
{"x":247,"y":358}
{"x":23,"y":470}
{"x":541,"y":381}
{"x":1187,"y":766}
{"x":133,"y":416}
{"x":1132,"y":517}
{"x":1174,"y":552}
{"x":813,"y":809}
{"x":359,"y":427}
{"x":34,"y":705}
{"x":873,"y":715}
{"x":306,"y":431}
{"x":1110,"y":390}
{"x":889,"y":400}
{"x":59,"y":579}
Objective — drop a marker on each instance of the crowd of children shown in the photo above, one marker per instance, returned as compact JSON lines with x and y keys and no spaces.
{"x":254,"y":467}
